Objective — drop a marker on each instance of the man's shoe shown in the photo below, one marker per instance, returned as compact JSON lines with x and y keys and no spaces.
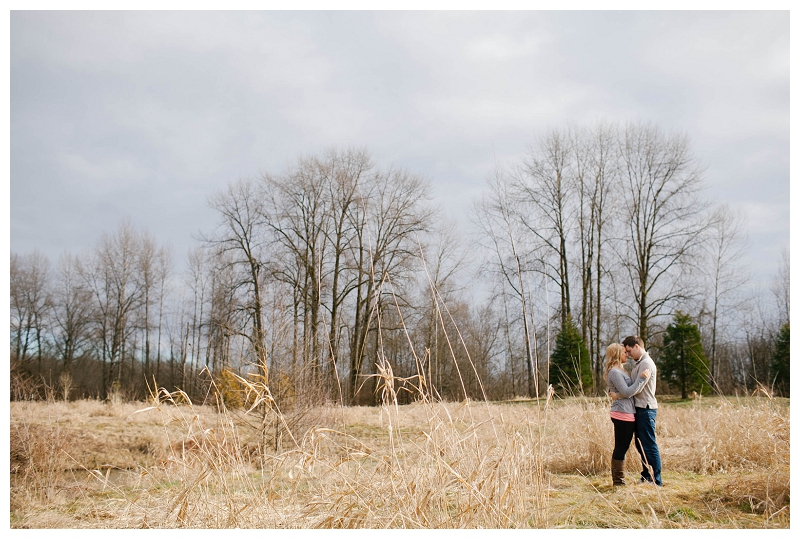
{"x":643,"y":480}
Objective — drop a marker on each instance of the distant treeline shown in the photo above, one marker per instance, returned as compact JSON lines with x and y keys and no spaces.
{"x":337,"y":275}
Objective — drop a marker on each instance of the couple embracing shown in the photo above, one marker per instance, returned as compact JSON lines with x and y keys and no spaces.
{"x":633,"y":411}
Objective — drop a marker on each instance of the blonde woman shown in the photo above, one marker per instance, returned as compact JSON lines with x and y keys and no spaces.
{"x":622,"y":408}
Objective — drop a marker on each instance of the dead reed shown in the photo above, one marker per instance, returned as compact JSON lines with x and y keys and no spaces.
{"x":425,"y":465}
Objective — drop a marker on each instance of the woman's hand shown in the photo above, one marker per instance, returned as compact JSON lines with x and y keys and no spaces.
{"x":613,"y":395}
{"x":646,"y":373}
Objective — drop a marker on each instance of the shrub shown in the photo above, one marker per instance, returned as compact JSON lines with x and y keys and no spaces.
{"x":229,"y":389}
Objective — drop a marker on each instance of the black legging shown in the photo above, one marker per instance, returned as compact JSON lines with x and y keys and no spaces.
{"x":623,"y":432}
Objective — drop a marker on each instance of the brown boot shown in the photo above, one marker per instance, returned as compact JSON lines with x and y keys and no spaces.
{"x":617,"y":472}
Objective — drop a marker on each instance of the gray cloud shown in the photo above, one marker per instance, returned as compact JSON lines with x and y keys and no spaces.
{"x":145,"y":114}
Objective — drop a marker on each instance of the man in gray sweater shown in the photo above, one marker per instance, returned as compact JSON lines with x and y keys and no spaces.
{"x":646,"y":406}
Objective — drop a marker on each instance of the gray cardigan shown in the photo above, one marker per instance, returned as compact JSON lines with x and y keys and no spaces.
{"x":647,"y":396}
{"x":620,"y":382}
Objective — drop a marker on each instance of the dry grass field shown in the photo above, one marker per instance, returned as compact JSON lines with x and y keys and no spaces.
{"x":517,"y":464}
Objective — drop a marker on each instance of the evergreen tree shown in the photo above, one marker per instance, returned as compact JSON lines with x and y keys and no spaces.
{"x":780,"y":361}
{"x":683,"y":362}
{"x":570,"y":366}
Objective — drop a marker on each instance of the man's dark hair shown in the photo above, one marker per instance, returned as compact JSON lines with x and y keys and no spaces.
{"x":632,"y":341}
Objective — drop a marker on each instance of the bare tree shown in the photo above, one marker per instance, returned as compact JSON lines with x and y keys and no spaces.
{"x":297,"y":212}
{"x":497,"y":220}
{"x":546,"y":187}
{"x":780,"y":287}
{"x":152,"y":265}
{"x":222,"y":314}
{"x":394,"y":215}
{"x":444,"y":258}
{"x":198,"y":279}
{"x":241,"y":237}
{"x":724,"y":247}
{"x":344,"y":175}
{"x":30,"y":302}
{"x":162,"y":274}
{"x":661,"y":183}
{"x":110,"y":274}
{"x":597,"y":172}
{"x":594,"y":201}
{"x":72,"y":311}
{"x":243,"y":241}
{"x":759,"y":330}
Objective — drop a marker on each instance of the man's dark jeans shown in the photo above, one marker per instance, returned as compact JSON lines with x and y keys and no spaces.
{"x":645,"y":441}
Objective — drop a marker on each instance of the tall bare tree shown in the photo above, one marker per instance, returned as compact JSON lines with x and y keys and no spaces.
{"x":344,"y":174}
{"x":30,"y":301}
{"x":661,"y":184}
{"x":162,"y":275}
{"x":110,"y":274}
{"x":152,"y":271}
{"x":241,"y":237}
{"x":297,"y":211}
{"x":498,"y":221}
{"x":198,"y":279}
{"x":597,"y":173}
{"x":546,"y":188}
{"x":394,"y":215}
{"x":724,"y":247}
{"x":222,"y":314}
{"x":72,"y":311}
{"x":444,"y":259}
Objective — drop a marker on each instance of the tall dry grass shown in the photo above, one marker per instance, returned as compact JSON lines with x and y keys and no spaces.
{"x":425,"y":465}
{"x":432,"y":465}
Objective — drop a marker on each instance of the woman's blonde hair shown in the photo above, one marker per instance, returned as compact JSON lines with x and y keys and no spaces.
{"x":614,"y":354}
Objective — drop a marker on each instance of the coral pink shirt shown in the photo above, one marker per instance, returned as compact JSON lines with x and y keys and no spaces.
{"x":622,"y":416}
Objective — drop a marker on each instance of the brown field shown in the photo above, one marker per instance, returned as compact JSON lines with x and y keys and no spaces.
{"x":516,"y":464}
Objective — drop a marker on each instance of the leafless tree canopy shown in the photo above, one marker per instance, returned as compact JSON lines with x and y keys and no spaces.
{"x":328,"y":280}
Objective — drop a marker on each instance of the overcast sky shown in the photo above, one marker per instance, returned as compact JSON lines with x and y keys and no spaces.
{"x":145,"y":114}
